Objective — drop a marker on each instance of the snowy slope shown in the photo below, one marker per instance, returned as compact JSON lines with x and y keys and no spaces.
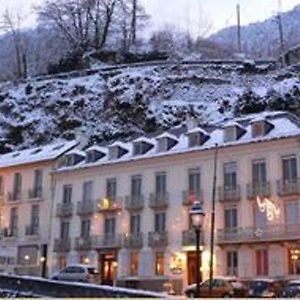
{"x":127,"y":102}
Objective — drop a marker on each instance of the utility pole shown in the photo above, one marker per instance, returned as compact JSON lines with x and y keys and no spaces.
{"x":280,"y":28}
{"x":238,"y":14}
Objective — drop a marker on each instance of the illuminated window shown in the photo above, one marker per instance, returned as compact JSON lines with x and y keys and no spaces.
{"x":294,"y":261}
{"x":62,"y":262}
{"x":134,"y":263}
{"x":159,"y":264}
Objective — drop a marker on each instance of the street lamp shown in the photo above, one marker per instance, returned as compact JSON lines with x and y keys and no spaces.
{"x":197,"y":216}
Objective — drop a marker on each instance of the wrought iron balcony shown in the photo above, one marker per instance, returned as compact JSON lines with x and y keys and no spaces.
{"x":253,"y":234}
{"x":159,"y":200}
{"x":229,"y":193}
{"x":85,"y":207}
{"x":15,"y":196}
{"x":83,"y":243}
{"x":133,"y":203}
{"x":262,"y":189}
{"x":107,"y":241}
{"x":189,"y":238}
{"x":109,"y":204}
{"x":64,"y":209}
{"x":158,"y":239}
{"x":32,"y":230}
{"x":188,"y":197}
{"x":288,"y":187}
{"x":133,"y":240}
{"x":8,"y":232}
{"x":62,"y":245}
{"x":35,"y":194}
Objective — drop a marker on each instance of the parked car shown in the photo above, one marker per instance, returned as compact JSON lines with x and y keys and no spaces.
{"x":264,"y":288}
{"x":80,"y":273}
{"x":291,"y":290}
{"x":221,"y":287}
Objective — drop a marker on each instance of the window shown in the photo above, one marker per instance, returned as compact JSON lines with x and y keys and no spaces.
{"x":230,"y":175}
{"x":194,"y":139}
{"x":291,"y":212}
{"x":259,"y":173}
{"x":87,"y":191}
{"x":230,"y":134}
{"x":134,"y":263}
{"x":111,"y":188}
{"x":135,"y":224}
{"x":109,"y":226}
{"x":260,"y":218}
{"x":194,"y":180}
{"x":159,"y":264}
{"x":258,"y":129}
{"x":136,"y":186}
{"x":62,"y":262}
{"x":230,"y":218}
{"x":17,"y":186}
{"x":64,"y":230}
{"x":85,"y":228}
{"x":35,"y":218}
{"x":160,"y":183}
{"x":294,"y":261}
{"x":37,"y":183}
{"x":138,"y":148}
{"x":67,"y":193}
{"x":232,"y":263}
{"x":262,"y":262}
{"x":289,"y":168}
{"x":162,"y":144}
{"x":160,"y":222}
{"x":13,"y":223}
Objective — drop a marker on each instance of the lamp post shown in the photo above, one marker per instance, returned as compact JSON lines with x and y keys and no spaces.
{"x":197,"y":216}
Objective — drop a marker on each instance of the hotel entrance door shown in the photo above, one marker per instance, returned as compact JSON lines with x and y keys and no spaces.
{"x":108,"y":264}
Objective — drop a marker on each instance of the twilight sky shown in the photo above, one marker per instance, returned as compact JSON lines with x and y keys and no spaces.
{"x":184,"y":14}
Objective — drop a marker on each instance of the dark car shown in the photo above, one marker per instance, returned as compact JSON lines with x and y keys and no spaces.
{"x":264,"y":288}
{"x":291,"y":290}
{"x":221,"y":287}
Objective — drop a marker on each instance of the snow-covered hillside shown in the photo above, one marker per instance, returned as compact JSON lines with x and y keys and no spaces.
{"x":123,"y":103}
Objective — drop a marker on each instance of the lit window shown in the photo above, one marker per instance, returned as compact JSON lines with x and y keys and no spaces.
{"x":294,"y":261}
{"x":134,"y":263}
{"x":159,"y":264}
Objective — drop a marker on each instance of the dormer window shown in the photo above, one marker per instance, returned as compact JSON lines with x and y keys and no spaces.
{"x":140,"y":148}
{"x":93,"y":156}
{"x":116,"y":152}
{"x":165,"y":144}
{"x":72,"y":159}
{"x":197,"y":137}
{"x":233,"y":132}
{"x":260,"y":128}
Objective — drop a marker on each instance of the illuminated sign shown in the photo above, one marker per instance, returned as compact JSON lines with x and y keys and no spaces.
{"x":268,"y":207}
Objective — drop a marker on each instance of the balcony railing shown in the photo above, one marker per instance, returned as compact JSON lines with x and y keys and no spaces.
{"x":254,"y":234}
{"x":62,"y":245}
{"x":35,"y":193}
{"x":14,"y":196}
{"x":229,"y":193}
{"x":9,"y":232}
{"x":85,"y":207}
{"x":133,"y":240}
{"x":188,"y":197}
{"x":64,"y":209}
{"x":83,"y":243}
{"x":288,"y":187}
{"x":159,"y":200}
{"x":109,"y":204}
{"x":262,"y":189}
{"x":189,"y":238}
{"x":107,"y":241}
{"x":158,"y":239}
{"x":134,"y":202}
{"x":32,"y":230}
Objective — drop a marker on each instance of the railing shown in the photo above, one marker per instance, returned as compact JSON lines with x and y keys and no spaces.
{"x":229,"y":193}
{"x":9,"y":232}
{"x":83,"y":243}
{"x":158,"y":239}
{"x":64,"y":209}
{"x":35,"y":193}
{"x":258,"y":189}
{"x":107,"y":241}
{"x":31,"y":230}
{"x":254,"y":234}
{"x":133,"y":240}
{"x":188,"y":197}
{"x":134,"y":202}
{"x":109,"y":205}
{"x":62,"y":245}
{"x":189,"y":238}
{"x":85,"y":207}
{"x":14,"y":196}
{"x":159,"y":200}
{"x":288,"y":187}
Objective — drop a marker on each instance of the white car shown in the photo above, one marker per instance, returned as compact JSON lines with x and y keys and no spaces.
{"x":80,"y":273}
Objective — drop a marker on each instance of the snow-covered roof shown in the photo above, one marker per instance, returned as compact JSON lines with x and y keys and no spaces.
{"x":76,"y":152}
{"x":198,"y":129}
{"x":33,"y":155}
{"x":97,"y":148}
{"x":144,"y":139}
{"x":284,"y":125}
{"x":126,"y":146}
{"x":167,"y":135}
{"x":258,"y":119}
{"x":232,"y":124}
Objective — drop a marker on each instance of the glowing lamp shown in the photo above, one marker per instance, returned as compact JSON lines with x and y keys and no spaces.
{"x":197,"y":215}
